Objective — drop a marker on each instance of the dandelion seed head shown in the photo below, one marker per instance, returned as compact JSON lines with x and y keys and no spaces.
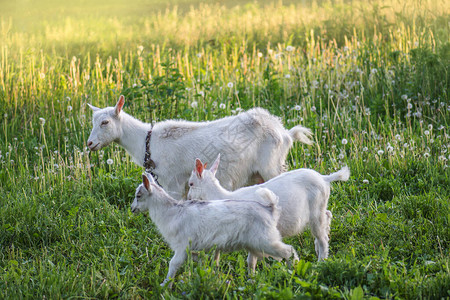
{"x":289,"y":48}
{"x":297,"y":107}
{"x":313,"y":108}
{"x":365,"y":181}
{"x":287,"y":76}
{"x":426,"y":155}
{"x":109,"y":161}
{"x":230,"y":85}
{"x":194,"y":104}
{"x":426,"y":132}
{"x":380,"y":152}
{"x":69,"y":108}
{"x":222,"y":106}
{"x":344,"y":141}
{"x":42,"y":121}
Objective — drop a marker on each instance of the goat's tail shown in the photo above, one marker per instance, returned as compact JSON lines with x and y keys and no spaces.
{"x":301,"y":134}
{"x":267,"y":198}
{"x":341,"y":175}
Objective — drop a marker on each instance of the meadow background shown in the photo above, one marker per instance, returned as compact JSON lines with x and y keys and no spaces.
{"x":370,"y":78}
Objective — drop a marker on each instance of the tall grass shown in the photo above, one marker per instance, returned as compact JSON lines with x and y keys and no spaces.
{"x":370,"y":79}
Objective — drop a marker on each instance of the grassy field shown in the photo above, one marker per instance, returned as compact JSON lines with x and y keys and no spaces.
{"x":370,"y":78}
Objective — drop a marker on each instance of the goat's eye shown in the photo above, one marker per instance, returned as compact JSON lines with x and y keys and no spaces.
{"x":191,"y":184}
{"x":105,"y":122}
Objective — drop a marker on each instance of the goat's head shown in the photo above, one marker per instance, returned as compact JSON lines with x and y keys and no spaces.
{"x":143,"y":192}
{"x":106,"y":127}
{"x":202,"y":179}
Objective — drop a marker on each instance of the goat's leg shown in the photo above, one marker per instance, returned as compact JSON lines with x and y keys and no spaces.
{"x":252,"y":259}
{"x":176,"y":261}
{"x":321,"y":230}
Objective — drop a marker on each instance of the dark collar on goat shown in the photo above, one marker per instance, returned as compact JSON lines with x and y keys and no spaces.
{"x":149,"y":164}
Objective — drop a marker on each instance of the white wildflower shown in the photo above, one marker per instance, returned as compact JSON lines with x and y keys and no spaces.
{"x":42,"y":121}
{"x":222,"y":106}
{"x":289,"y":48}
{"x":230,"y":85}
{"x":194,"y":104}
{"x":365,"y":181}
{"x":109,"y":161}
{"x":344,"y":142}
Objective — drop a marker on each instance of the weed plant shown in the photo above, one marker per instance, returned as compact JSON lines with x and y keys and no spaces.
{"x":369,"y":78}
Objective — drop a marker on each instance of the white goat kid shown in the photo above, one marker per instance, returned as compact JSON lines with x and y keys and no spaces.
{"x":303,"y":199}
{"x":259,"y":137}
{"x":227,"y":225}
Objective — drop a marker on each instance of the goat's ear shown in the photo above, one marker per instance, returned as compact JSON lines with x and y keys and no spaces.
{"x":199,"y":167}
{"x":150,"y":178}
{"x":146,"y":182}
{"x":119,"y":105}
{"x":215,"y":165}
{"x":93,"y":107}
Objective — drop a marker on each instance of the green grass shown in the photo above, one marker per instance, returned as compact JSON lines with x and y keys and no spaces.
{"x":369,"y":78}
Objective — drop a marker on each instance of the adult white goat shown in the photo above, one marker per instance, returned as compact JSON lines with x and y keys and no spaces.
{"x":254,"y":145}
{"x":227,"y":225}
{"x":303,"y":199}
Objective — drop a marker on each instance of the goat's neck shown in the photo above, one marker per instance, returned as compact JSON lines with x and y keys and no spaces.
{"x":219,"y":192}
{"x":163,"y":214}
{"x":134,"y":133}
